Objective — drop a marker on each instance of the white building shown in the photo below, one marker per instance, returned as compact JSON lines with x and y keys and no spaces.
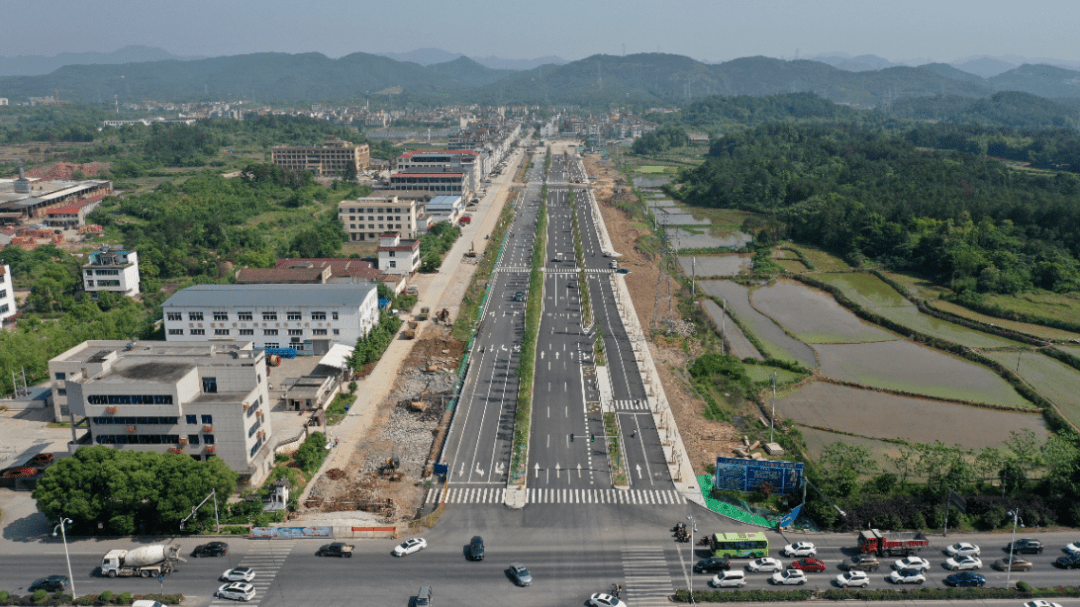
{"x":398,"y":256}
{"x":201,"y":399}
{"x":112,"y":269}
{"x":367,"y":218}
{"x":3,"y":101}
{"x":445,"y":208}
{"x":308,"y":317}
{"x":8,"y":308}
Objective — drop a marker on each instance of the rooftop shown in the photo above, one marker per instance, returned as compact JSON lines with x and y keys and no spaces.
{"x":270,"y":296}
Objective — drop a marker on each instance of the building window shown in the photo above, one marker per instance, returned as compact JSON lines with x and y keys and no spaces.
{"x":393,"y":264}
{"x":337,"y":331}
{"x":174,"y":316}
{"x":176,"y":331}
{"x":293,"y":316}
{"x":221,"y":331}
{"x":247,"y":331}
{"x":269,"y":331}
{"x":191,"y":419}
{"x":318,"y":316}
{"x":254,"y":427}
{"x":255,"y":448}
{"x":61,"y":392}
{"x":194,"y":316}
{"x":61,"y":376}
{"x":334,"y":315}
{"x":209,"y":384}
{"x":208,"y":439}
{"x":318,"y":331}
{"x":193,"y":439}
{"x":269,"y":315}
{"x":271,"y":345}
{"x":244,"y":315}
{"x":208,"y":419}
{"x":198,"y":332}
{"x":296,"y":331}
{"x":392,"y":253}
{"x":220,"y":316}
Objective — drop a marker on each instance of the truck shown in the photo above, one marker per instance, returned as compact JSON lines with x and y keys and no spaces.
{"x":337,"y":549}
{"x":891,"y":542}
{"x":144,"y":561}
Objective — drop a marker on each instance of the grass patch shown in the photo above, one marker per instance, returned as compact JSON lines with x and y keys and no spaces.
{"x":1026,"y":328}
{"x":1056,"y":306}
{"x":1056,"y":381}
{"x":339,"y":408}
{"x":651,"y":168}
{"x":823,"y":261}
{"x":761,"y":373}
{"x":611,"y":430}
{"x":405,"y":302}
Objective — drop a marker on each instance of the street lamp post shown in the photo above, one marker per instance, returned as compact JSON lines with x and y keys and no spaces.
{"x":63,"y":533}
{"x":1016,"y":517}
{"x":693,"y":528}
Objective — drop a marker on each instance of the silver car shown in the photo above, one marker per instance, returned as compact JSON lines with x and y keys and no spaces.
{"x":520,"y":574}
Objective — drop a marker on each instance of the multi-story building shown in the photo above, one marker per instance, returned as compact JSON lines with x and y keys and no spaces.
{"x":8,"y":308}
{"x":475,"y":165}
{"x":330,"y":158}
{"x":200,"y":399}
{"x":112,"y":269}
{"x":310,"y":318}
{"x":365,"y":219}
{"x":27,"y":199}
{"x":397,"y":255}
{"x":440,"y":184}
{"x":445,"y":208}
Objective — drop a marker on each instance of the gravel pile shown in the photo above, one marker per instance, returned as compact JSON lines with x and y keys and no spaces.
{"x":411,"y":435}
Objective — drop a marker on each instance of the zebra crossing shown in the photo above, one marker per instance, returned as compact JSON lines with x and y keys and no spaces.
{"x":497,"y":495}
{"x":513,"y":269}
{"x":266,"y":558}
{"x":555,"y":271}
{"x":632,"y":405}
{"x":647,"y":579}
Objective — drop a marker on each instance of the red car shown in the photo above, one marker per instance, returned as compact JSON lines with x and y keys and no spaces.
{"x":808,"y":565}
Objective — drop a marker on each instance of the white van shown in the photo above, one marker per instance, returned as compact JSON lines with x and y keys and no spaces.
{"x":735,"y":578}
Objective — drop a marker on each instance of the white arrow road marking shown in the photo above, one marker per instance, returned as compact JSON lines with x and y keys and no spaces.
{"x":462,"y":473}
{"x":500,"y":468}
{"x":638,"y":470}
{"x":579,"y":470}
{"x":541,"y":355}
{"x":538,"y":470}
{"x":478,"y":470}
{"x":557,"y":470}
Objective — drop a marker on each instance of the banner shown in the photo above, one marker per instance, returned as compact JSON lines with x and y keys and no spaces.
{"x":747,"y":475}
{"x":289,"y":533}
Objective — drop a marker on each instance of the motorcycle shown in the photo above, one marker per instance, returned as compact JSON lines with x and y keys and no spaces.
{"x":679,"y":527}
{"x":616,"y":591}
{"x":703,"y":541}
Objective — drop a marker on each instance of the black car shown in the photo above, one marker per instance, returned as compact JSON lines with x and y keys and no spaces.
{"x":476,"y":548}
{"x":966,"y":578}
{"x":211,"y":549}
{"x":713,"y":564}
{"x":519,"y":296}
{"x":52,"y":583}
{"x":1069,"y":561}
{"x":1027,"y":546}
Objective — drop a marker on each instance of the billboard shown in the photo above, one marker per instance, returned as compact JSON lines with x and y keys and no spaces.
{"x":746,"y":475}
{"x":289,"y":533}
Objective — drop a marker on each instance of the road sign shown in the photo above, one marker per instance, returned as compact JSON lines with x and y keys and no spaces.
{"x":747,"y":475}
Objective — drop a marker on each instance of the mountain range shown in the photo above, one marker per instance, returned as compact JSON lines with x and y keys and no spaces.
{"x":34,"y":65}
{"x":432,"y":56}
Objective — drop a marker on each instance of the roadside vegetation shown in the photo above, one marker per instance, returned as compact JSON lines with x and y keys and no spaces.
{"x":477,"y":292}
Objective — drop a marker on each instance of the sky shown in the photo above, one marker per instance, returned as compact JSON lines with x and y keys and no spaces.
{"x":710,"y":30}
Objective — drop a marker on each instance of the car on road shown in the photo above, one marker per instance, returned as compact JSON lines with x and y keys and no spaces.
{"x":966,"y":579}
{"x":713,"y":564}
{"x":236,"y":591}
{"x":601,"y":599}
{"x":521,"y":575}
{"x":410,"y":546}
{"x":729,"y":579}
{"x":1069,"y":561}
{"x":148,"y":603}
{"x":239,"y":574}
{"x":339,"y":549}
{"x":852,"y":578}
{"x":211,"y":549}
{"x":1027,"y":546}
{"x":622,"y":271}
{"x":808,"y":565}
{"x":52,"y":583}
{"x":789,"y":577}
{"x":1073,"y":548}
{"x":765,"y":565}
{"x":519,"y":296}
{"x":476,"y":548}
{"x":1041,"y":603}
{"x":907,"y":576}
{"x":861,"y":562}
{"x":912,"y":562}
{"x":799,"y":549}
{"x":962,"y":549}
{"x":1016,"y":564}
{"x":959,"y":563}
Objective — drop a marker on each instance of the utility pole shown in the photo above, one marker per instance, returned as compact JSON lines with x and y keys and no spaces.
{"x":772,"y":418}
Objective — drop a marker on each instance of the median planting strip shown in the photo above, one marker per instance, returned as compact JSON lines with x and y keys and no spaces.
{"x":579,"y":250}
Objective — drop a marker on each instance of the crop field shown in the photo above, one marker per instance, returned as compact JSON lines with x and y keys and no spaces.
{"x":862,"y":412}
{"x":715,"y":238}
{"x":789,"y":261}
{"x":824,"y":262}
{"x":715,"y":265}
{"x":874,"y":293}
{"x":1020,"y":327}
{"x":920,"y":287}
{"x":737,"y":344}
{"x":760,"y":373}
{"x":650,"y":182}
{"x":903,"y":365}
{"x":651,"y":169}
{"x":777,"y":343}
{"x":1059,"y":306}
{"x":1074,"y":350}
{"x":813,"y":316}
{"x":679,"y":219}
{"x":816,"y":440}
{"x":1057,"y":381}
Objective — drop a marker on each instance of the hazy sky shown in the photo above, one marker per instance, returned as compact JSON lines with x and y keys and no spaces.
{"x":938,"y":30}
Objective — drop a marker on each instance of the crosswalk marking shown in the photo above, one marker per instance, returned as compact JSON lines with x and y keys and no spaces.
{"x":266,"y":558}
{"x":480,"y":495}
{"x":647,"y":579}
{"x":632,"y":405}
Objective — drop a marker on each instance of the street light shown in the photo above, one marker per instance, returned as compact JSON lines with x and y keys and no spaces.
{"x":693,"y":528}
{"x":1016,"y":517}
{"x":63,"y":534}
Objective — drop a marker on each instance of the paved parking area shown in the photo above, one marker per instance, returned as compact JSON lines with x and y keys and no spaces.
{"x":26,"y":433}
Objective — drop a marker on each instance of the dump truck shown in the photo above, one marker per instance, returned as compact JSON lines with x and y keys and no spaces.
{"x":891,"y":542}
{"x":144,"y":561}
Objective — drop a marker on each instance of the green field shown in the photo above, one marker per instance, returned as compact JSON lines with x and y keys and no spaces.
{"x":1056,"y":381}
{"x":823,"y":262}
{"x":1020,"y":327}
{"x":920,"y":287}
{"x":652,"y":169}
{"x":1059,"y":306}
{"x":761,"y":373}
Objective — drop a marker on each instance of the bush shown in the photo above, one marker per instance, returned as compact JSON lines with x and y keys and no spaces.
{"x":311,"y":454}
{"x":39,"y":597}
{"x":4,"y":595}
{"x":106,"y":597}
{"x":1024,"y":587}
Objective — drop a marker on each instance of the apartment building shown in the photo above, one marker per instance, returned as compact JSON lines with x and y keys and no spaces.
{"x":8,"y":308}
{"x":365,"y":219}
{"x":440,"y":184}
{"x":199,"y":399}
{"x":114,"y":269}
{"x":330,"y":158}
{"x":398,"y":255}
{"x":475,"y":165}
{"x":309,"y":318}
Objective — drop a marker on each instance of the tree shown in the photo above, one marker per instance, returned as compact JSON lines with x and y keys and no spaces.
{"x":844,"y":464}
{"x":350,"y":172}
{"x":904,"y":462}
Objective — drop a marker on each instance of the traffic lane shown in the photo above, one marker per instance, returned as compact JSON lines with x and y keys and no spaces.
{"x":644,"y":456}
{"x":625,"y":378}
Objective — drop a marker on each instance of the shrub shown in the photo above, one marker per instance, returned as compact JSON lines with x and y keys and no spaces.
{"x":1024,"y":587}
{"x":106,"y":597}
{"x":4,"y":595}
{"x":39,"y":597}
{"x":124,"y":598}
{"x":281,"y":458}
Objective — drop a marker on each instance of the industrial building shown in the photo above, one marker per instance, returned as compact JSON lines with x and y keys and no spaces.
{"x":28,"y":199}
{"x":330,"y":158}
{"x":114,"y":269}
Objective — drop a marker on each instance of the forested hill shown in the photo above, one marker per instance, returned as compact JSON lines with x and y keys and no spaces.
{"x":647,"y":78}
{"x":969,"y":221}
{"x":743,"y":111}
{"x":1009,"y":108}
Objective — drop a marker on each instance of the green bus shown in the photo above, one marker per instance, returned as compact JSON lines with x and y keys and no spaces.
{"x":739,"y":545}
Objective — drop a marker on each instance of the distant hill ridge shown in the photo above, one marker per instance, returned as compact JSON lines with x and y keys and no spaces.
{"x":33,"y":65}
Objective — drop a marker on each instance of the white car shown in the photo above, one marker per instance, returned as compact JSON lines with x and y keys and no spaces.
{"x":237,"y":591}
{"x":791,"y":576}
{"x":239,"y":574}
{"x":410,"y":546}
{"x":799,"y":549}
{"x":852,"y":578}
{"x":605,"y":600}
{"x":1073,"y":548}
{"x":907,"y":576}
{"x":1041,"y":603}
{"x":962,"y":549}
{"x":912,"y":562}
{"x":728,"y":579}
{"x":765,"y":565}
{"x":958,"y":563}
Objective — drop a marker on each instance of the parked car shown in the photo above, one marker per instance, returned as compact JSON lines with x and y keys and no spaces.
{"x":789,"y":577}
{"x":237,"y":591}
{"x":713,"y":564}
{"x":962,"y":563}
{"x":912,"y":562}
{"x":852,"y":578}
{"x":410,"y":546}
{"x":861,"y":562}
{"x":52,"y":583}
{"x":519,"y":296}
{"x":962,"y":549}
{"x":764,"y":565}
{"x":966,"y":579}
{"x":239,"y":574}
{"x":476,"y":548}
{"x":521,"y":575}
{"x":1041,"y":603}
{"x":1069,"y":561}
{"x":1027,"y":546}
{"x":622,"y":271}
{"x":1017,"y":564}
{"x":211,"y":549}
{"x":808,"y":565}
{"x":907,"y":576}
{"x":729,"y":579}
{"x":799,"y":549}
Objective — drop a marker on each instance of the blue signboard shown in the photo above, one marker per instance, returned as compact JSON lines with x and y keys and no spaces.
{"x":746,"y":475}
{"x":789,"y":519}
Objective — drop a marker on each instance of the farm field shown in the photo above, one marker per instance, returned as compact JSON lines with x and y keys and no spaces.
{"x":737,"y":343}
{"x":681,"y":219}
{"x":824,"y":262}
{"x":759,"y":373}
{"x":902,"y":365}
{"x":1020,"y":327}
{"x":706,"y":239}
{"x":863,"y":412}
{"x":650,"y":182}
{"x":777,"y":343}
{"x":789,"y":261}
{"x":1074,"y":350}
{"x":715,"y":265}
{"x":1057,"y":381}
{"x":918,"y":286}
{"x":651,"y":169}
{"x":1059,"y":306}
{"x":873,"y":293}
{"x":816,"y":440}
{"x":813,"y":316}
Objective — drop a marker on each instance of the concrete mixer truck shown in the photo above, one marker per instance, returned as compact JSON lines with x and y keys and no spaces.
{"x":144,"y":561}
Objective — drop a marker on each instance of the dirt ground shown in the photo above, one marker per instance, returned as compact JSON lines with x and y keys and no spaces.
{"x":703,"y":439}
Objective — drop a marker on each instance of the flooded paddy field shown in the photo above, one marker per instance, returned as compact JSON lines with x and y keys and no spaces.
{"x":715,"y":265}
{"x":712,"y":238}
{"x":737,"y":343}
{"x":813,"y":316}
{"x":1055,"y":380}
{"x":1034,"y":330}
{"x":679,"y":219}
{"x":773,"y":338}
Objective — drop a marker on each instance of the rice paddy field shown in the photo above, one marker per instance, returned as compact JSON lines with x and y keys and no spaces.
{"x":759,"y":373}
{"x":909,"y":367}
{"x":776,"y":342}
{"x":1039,"y":331}
{"x":813,"y":316}
{"x":866,"y":413}
{"x":823,"y":262}
{"x":1059,"y":306}
{"x":707,"y":238}
{"x":1056,"y":381}
{"x":652,"y":169}
{"x":920,"y":287}
{"x":737,"y":344}
{"x":873,"y":293}
{"x":715,"y":265}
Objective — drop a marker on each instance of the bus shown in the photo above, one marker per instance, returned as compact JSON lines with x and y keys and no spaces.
{"x":739,"y":545}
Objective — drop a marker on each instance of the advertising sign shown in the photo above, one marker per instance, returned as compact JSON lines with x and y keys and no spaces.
{"x":290,"y":533}
{"x":746,"y":475}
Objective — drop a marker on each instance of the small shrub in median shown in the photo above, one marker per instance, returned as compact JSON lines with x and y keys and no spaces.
{"x":124,"y":598}
{"x":39,"y":597}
